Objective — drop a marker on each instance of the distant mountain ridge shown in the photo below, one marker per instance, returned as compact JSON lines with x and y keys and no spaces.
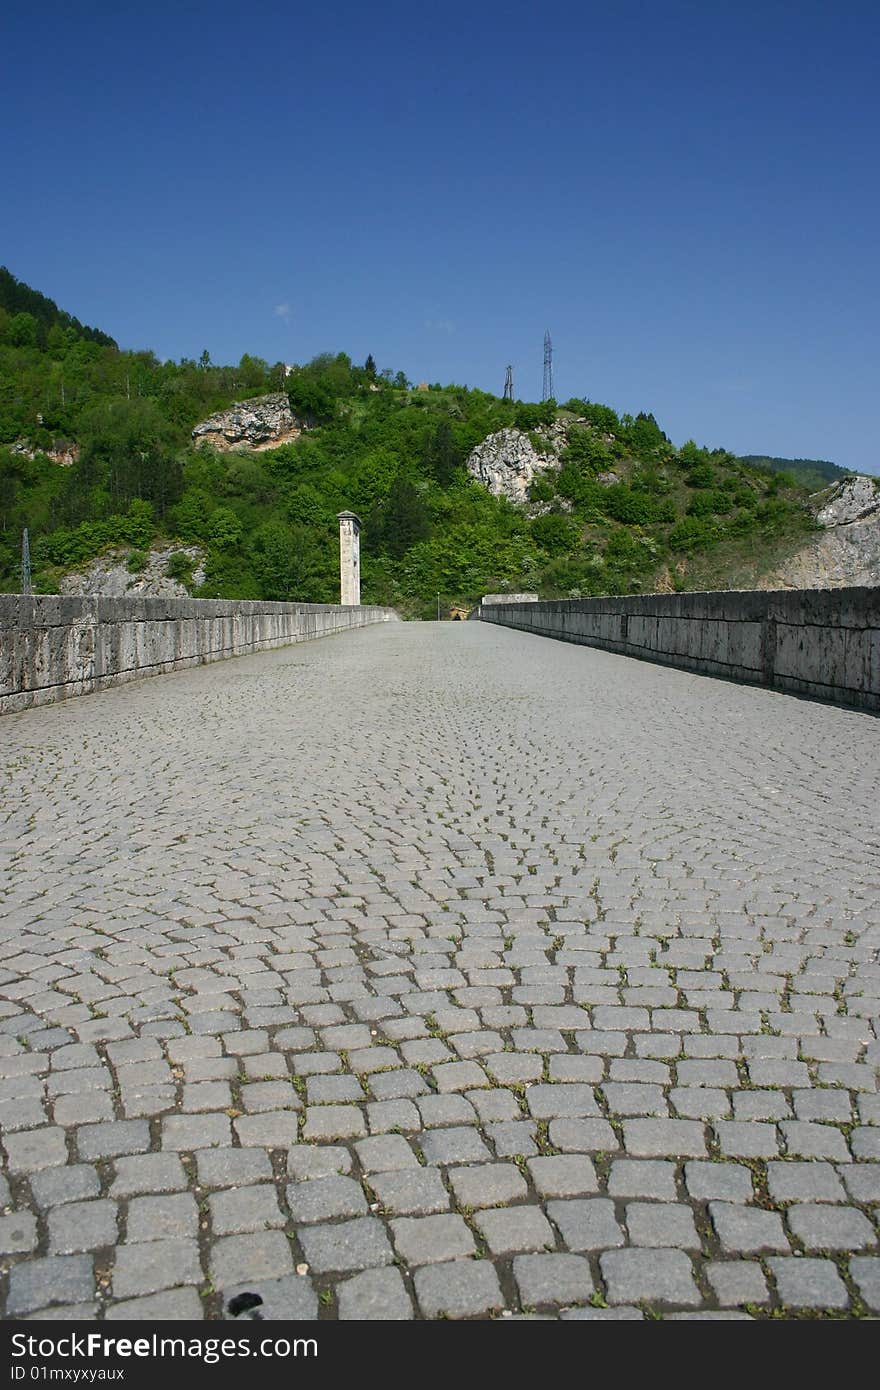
{"x":815,"y":474}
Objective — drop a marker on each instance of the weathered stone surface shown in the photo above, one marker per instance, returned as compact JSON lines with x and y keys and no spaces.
{"x":323,"y":1198}
{"x":746,"y":1229}
{"x":291,"y":1298}
{"x":109,"y":574}
{"x":421,"y":1240}
{"x":376,"y":1295}
{"x":248,"y":1259}
{"x":507,"y":463}
{"x":552,"y":1278}
{"x":853,"y":499}
{"x":44,"y":1282}
{"x":487,"y":1184}
{"x":651,"y":1276}
{"x":52,"y":648}
{"x":737,"y":1282}
{"x":247,"y":884}
{"x":150,"y":1266}
{"x":263,"y":422}
{"x":349,"y":1245}
{"x":458,"y":1289}
{"x":807,"y":1283}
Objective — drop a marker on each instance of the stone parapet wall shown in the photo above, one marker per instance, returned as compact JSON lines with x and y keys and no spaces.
{"x":819,"y":642}
{"x":54,"y":647}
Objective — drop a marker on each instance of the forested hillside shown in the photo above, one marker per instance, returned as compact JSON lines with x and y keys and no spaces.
{"x":624,"y":511}
{"x":814,"y":474}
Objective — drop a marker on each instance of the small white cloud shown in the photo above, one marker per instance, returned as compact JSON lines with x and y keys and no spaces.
{"x":282,"y":311}
{"x":440,"y":325}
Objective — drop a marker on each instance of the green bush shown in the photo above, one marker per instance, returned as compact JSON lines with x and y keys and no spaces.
{"x":587,"y":452}
{"x":529,"y":417}
{"x":710,"y":502}
{"x":692,"y":533}
{"x":555,"y":533}
{"x":636,"y":508}
{"x":225,"y":529}
{"x":543,"y":487}
{"x":602,"y":417}
{"x":702,"y":475}
{"x":179,"y":566}
{"x":633,"y":508}
{"x":137,"y":561}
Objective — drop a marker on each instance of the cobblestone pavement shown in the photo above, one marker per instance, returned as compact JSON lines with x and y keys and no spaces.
{"x":439,"y":971}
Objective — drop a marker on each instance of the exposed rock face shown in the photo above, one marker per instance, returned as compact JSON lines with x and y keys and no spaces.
{"x":847,"y":551}
{"x":109,"y":575}
{"x":262,"y":423}
{"x":849,"y":501}
{"x":507,"y":462}
{"x":62,"y":451}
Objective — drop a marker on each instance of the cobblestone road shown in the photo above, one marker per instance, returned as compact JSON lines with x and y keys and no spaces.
{"x":439,"y":971}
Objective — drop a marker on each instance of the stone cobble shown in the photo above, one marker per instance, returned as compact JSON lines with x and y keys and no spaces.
{"x":439,"y":971}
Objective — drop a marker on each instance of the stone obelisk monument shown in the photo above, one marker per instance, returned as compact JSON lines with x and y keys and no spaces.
{"x":349,"y":558}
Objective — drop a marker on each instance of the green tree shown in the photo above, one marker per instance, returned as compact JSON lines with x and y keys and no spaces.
{"x":225,"y":528}
{"x":405,"y":519}
{"x":22,"y":331}
{"x":310,"y":399}
{"x":127,"y":452}
{"x":442,"y":454}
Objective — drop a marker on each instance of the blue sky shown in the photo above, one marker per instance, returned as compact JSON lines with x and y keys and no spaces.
{"x":684,"y":193}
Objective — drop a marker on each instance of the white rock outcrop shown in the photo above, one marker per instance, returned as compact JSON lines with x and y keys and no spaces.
{"x":846,"y":552}
{"x":261,"y":423}
{"x":507,"y":462}
{"x":109,"y":575}
{"x":63,"y":452}
{"x":853,"y":499}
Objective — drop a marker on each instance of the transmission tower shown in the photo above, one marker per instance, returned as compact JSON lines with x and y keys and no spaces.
{"x":25,"y":563}
{"x":508,"y":385}
{"x":548,"y":367}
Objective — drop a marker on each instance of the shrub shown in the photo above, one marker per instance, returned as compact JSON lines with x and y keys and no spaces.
{"x":692,"y":533}
{"x":702,"y":475}
{"x":179,"y":566}
{"x":543,"y":487}
{"x":225,"y":528}
{"x":554,"y":533}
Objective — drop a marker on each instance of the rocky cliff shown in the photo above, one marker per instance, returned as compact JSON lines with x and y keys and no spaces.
{"x":63,"y":451}
{"x":847,"y":549}
{"x":507,"y":462}
{"x":261,"y":423}
{"x":110,"y":574}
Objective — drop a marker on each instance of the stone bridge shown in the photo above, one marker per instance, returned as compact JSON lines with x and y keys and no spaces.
{"x":439,"y":970}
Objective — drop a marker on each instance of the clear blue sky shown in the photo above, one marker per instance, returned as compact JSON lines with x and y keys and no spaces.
{"x":685,"y":193}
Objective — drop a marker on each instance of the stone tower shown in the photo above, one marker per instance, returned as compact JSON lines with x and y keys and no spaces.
{"x":349,"y":559}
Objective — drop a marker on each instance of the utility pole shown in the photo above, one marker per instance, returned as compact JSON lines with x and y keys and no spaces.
{"x":438,"y":608}
{"x":548,"y":367}
{"x":508,"y":385}
{"x":26,"y":585}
